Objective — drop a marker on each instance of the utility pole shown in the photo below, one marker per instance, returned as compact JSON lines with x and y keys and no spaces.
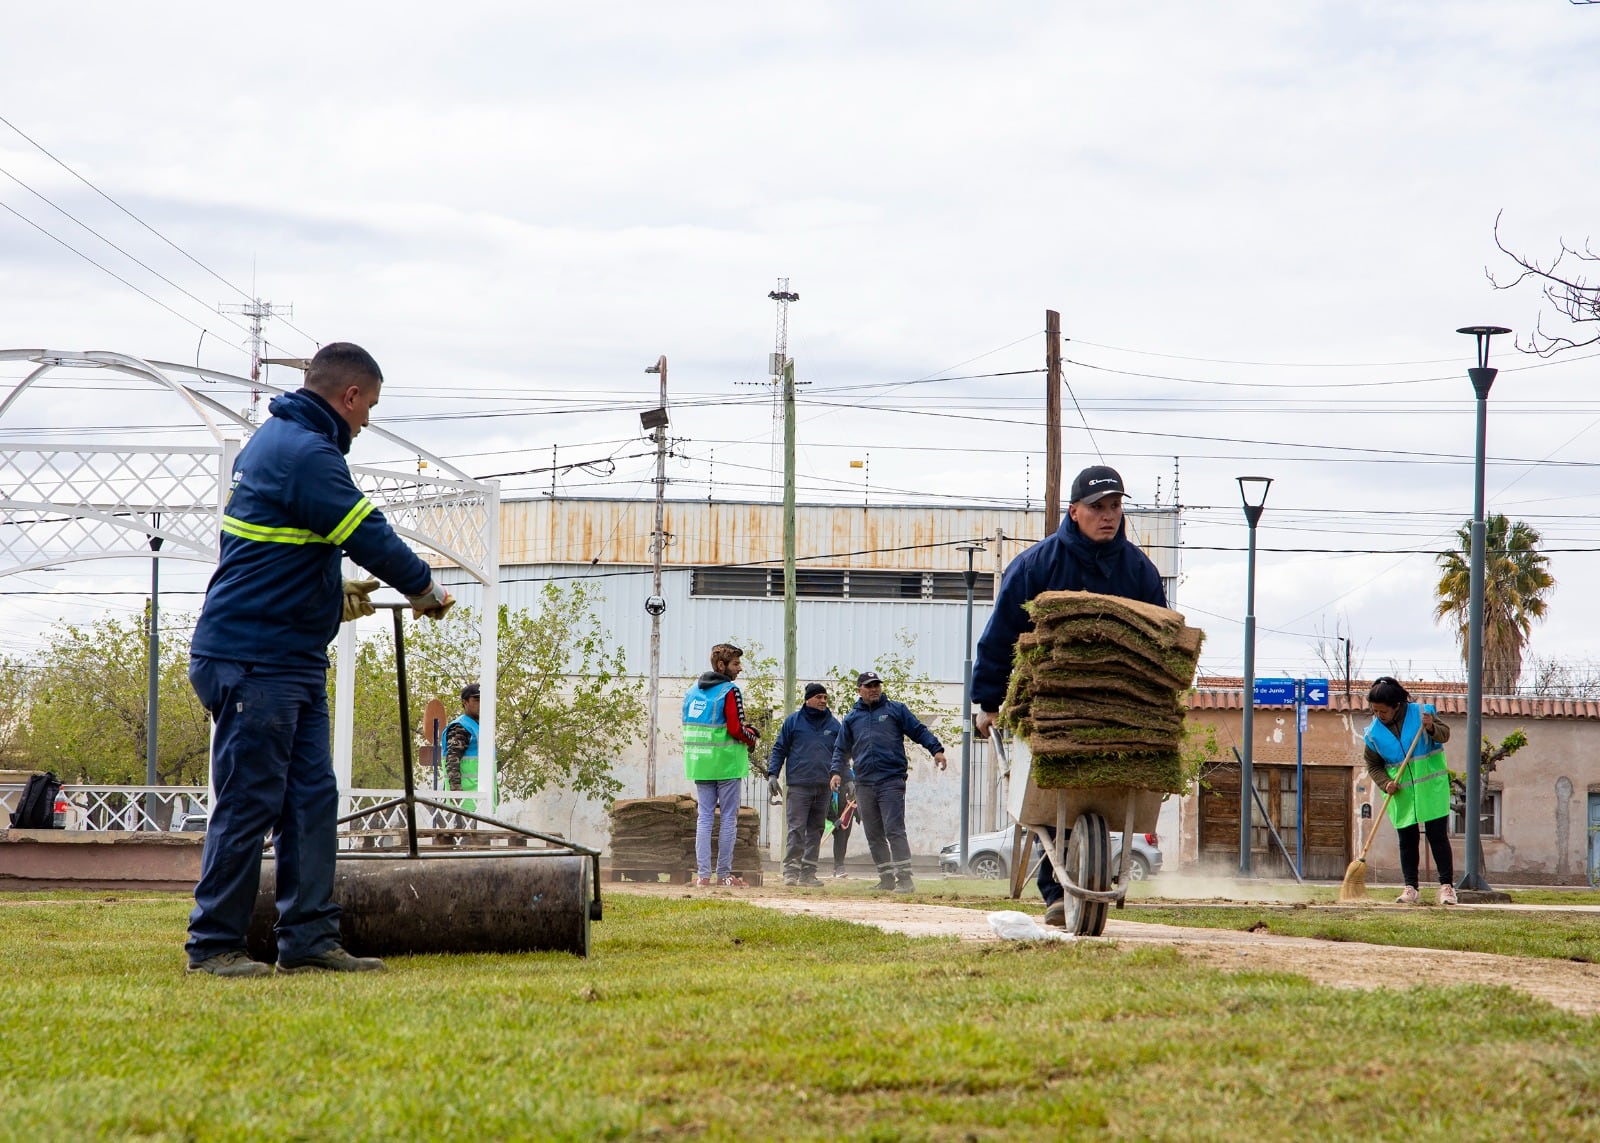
{"x":784,"y":370}
{"x":656,"y":420}
{"x":1052,"y":422}
{"x":258,"y":312}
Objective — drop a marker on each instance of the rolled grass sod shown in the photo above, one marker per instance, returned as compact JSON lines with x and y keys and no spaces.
{"x":705,"y":1018}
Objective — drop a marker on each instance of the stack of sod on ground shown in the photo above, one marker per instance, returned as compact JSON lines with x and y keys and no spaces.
{"x":658,"y":834}
{"x":1097,"y":691}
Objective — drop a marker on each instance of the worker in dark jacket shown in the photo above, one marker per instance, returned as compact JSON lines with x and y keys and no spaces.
{"x":1089,"y":552}
{"x":259,"y":663}
{"x":805,"y":742}
{"x":872,"y":745}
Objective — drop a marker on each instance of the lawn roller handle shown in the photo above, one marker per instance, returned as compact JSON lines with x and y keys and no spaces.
{"x":405,"y":725}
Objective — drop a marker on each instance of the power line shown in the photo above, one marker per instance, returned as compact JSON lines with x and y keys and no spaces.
{"x":64,"y":166}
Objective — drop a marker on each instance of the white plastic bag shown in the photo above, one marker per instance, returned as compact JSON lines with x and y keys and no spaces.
{"x":1009,"y":925}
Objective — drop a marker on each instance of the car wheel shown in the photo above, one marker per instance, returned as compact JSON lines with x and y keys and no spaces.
{"x":1139,"y":868}
{"x":987,"y":866}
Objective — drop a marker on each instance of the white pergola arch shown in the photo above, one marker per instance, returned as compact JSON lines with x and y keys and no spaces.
{"x":65,"y":502}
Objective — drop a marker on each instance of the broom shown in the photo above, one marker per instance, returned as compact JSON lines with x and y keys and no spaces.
{"x":1355,"y":878}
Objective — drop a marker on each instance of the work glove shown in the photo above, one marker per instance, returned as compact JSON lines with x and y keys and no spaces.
{"x":775,"y":786}
{"x":356,"y":603}
{"x":433,"y":603}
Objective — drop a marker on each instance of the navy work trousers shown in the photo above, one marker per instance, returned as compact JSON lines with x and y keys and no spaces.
{"x":805,"y":813}
{"x":272,"y":768}
{"x":883,"y":816}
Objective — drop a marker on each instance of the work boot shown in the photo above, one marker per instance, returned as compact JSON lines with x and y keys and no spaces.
{"x":884,"y":885}
{"x":811,"y":881}
{"x":335,"y":959}
{"x":792,"y":882}
{"x":1055,"y":914}
{"x":1447,"y":895}
{"x":904,"y":885}
{"x":234,"y":962}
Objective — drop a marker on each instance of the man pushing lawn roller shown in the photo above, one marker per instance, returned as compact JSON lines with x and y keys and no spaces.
{"x":259,"y":664}
{"x":1416,"y":789}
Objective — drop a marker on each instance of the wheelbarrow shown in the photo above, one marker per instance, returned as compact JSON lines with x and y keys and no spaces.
{"x":1081,"y":858}
{"x":519,"y":900}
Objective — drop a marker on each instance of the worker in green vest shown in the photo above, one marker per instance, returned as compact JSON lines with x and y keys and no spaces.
{"x":717,"y":743}
{"x":1405,"y":759}
{"x":461,"y":746}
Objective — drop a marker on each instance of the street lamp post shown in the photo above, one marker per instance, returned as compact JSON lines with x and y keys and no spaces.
{"x":971,"y":577}
{"x":1253,"y":492}
{"x":1482,"y":378}
{"x":656,"y":421}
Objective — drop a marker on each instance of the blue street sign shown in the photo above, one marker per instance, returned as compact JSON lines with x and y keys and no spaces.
{"x":1274,"y":692}
{"x":1316,"y":692}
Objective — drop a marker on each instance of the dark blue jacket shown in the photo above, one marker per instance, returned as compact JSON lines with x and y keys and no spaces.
{"x":805,"y":741}
{"x":873,"y":741}
{"x":277,"y":594}
{"x":1066,"y":561}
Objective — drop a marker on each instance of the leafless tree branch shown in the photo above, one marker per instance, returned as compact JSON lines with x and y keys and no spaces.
{"x":1572,"y":295}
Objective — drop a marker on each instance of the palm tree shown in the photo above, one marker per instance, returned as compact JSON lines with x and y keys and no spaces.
{"x":1515,"y":586}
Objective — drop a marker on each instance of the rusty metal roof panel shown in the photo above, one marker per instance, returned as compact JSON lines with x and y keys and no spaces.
{"x":712,"y":533}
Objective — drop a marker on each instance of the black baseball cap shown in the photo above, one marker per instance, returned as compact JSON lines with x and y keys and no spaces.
{"x":815,"y":689}
{"x":470,"y":691}
{"x":866,"y":677}
{"x":1095,"y":483}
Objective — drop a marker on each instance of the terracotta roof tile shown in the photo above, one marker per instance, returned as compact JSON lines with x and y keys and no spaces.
{"x":1221,"y":692}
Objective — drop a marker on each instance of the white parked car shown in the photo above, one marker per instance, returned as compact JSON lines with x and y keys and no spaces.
{"x":989,"y":855}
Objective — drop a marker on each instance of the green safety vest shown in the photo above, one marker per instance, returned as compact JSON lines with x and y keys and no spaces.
{"x":1424,"y":792}
{"x":710,"y":753}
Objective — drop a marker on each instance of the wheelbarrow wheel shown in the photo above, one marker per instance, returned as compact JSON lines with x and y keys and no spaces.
{"x":1088,"y":864}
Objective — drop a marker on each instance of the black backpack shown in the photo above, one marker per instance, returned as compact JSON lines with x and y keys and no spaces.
{"x":36,"y":809}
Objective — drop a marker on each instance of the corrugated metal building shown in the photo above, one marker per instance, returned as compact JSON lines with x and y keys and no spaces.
{"x":867,"y":576}
{"x":870,"y":581}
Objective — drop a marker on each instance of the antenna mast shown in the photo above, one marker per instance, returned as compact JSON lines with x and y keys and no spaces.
{"x":258,"y":312}
{"x":780,"y":357}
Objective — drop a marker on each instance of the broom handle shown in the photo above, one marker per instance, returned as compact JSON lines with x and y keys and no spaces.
{"x":1398,"y":775}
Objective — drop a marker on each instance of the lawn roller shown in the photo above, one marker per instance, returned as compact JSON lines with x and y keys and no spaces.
{"x":1080,"y":855}
{"x":515,"y":900}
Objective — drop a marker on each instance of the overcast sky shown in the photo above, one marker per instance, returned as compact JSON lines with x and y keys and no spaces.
{"x":518,"y":206}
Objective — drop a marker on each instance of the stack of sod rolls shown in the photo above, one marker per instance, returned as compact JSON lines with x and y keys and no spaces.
{"x":1097,"y":691}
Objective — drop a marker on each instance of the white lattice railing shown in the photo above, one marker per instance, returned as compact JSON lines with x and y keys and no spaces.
{"x":178,"y":809}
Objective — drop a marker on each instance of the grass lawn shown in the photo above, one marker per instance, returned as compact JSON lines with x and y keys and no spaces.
{"x":705,"y":1018}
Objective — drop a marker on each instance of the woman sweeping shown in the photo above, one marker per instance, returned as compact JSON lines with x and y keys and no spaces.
{"x":1419,"y":784}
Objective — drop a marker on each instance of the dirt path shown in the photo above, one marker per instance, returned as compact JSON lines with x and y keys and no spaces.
{"x":1571,"y":985}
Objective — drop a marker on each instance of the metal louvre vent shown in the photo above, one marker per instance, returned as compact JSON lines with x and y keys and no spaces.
{"x":834,"y":583}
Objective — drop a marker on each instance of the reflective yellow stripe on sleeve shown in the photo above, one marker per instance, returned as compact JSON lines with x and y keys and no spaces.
{"x":351,"y":521}
{"x":247,"y":531}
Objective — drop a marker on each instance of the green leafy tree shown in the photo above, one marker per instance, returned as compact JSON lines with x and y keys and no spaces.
{"x":16,"y":692}
{"x":1516,"y":582}
{"x":375,"y":747}
{"x":762,"y":685}
{"x":88,"y":718}
{"x":903,"y":683}
{"x":566,"y":707}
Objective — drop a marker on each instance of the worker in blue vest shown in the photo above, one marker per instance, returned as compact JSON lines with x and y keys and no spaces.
{"x":1411,"y":735}
{"x":259,"y":664}
{"x":461,"y":746}
{"x":717,"y":744}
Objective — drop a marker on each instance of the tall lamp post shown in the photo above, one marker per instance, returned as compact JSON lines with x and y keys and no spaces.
{"x":971,"y":577}
{"x":152,"y":737}
{"x":1482,"y":378}
{"x":1253,"y":492}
